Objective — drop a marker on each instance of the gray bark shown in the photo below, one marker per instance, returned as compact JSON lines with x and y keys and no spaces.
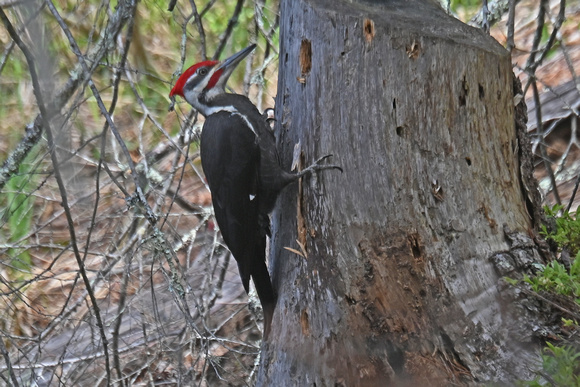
{"x":405,"y":251}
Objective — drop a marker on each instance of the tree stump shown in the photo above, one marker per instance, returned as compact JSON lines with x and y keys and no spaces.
{"x":399,"y":280}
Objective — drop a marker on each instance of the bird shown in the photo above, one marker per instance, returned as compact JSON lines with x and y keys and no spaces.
{"x":240,"y":161}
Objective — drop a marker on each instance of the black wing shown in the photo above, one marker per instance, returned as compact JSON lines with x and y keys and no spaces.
{"x":272,"y":178}
{"x":230,"y":159}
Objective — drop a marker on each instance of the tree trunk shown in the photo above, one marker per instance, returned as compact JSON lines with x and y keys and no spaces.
{"x":404,"y":252}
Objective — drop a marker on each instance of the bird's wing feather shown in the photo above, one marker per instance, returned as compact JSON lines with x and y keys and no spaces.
{"x":230,"y":158}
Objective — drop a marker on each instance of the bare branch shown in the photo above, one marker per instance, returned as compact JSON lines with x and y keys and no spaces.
{"x":34,"y":131}
{"x":64,"y":197}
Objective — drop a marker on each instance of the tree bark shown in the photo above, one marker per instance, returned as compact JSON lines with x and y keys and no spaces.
{"x":400,"y":280}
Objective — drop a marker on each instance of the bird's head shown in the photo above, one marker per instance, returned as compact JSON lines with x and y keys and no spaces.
{"x":203,"y":81}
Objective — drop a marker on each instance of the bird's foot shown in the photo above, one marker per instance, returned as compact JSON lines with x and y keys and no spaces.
{"x":317,"y":166}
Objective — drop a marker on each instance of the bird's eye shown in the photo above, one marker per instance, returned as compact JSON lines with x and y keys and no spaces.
{"x":202,"y":71}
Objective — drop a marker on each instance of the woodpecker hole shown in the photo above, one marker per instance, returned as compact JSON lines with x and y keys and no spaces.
{"x":400,"y":131}
{"x":415,"y":248}
{"x":305,"y":57}
{"x":369,"y":30}
{"x":414,"y":50}
{"x":396,"y":358}
{"x":463,"y":92}
{"x":468,"y":161}
{"x":481,"y":92}
{"x":350,"y":299}
{"x":304,"y":323}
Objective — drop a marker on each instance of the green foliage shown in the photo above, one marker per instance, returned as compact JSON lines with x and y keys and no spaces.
{"x":464,"y":8}
{"x":561,"y":367}
{"x":567,"y":233}
{"x":560,"y":364}
{"x":554,"y":277}
{"x":465,"y":3}
{"x":17,"y":215}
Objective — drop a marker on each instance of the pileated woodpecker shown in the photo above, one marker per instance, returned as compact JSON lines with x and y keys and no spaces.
{"x":240,"y":161}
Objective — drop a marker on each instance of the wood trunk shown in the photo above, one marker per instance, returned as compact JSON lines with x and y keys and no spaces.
{"x":400,"y":281}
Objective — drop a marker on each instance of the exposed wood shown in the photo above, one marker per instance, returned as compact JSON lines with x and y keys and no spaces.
{"x":401,"y":280}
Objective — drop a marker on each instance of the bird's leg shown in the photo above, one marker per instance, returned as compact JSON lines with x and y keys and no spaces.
{"x":313,"y":169}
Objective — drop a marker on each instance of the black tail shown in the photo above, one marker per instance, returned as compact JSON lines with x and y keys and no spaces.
{"x":265,"y":294}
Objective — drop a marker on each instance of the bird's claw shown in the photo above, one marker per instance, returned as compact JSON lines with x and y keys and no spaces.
{"x":316,"y":166}
{"x":323,"y":167}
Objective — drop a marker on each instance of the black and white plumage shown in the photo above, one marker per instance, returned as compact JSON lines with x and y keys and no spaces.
{"x":240,"y":161}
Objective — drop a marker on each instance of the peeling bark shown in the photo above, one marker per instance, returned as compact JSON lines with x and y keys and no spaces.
{"x":405,"y":251}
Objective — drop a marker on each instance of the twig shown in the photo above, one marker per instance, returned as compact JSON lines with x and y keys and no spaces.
{"x":511,"y":25}
{"x":576,"y":316}
{"x":535,"y":43}
{"x":74,"y":46}
{"x":268,"y":35}
{"x":556,"y":28}
{"x":200,"y":29}
{"x":230,"y":27}
{"x":3,"y":349}
{"x":547,"y":164}
{"x":490,"y":13}
{"x":31,"y":137}
{"x":34,"y":131}
{"x":121,"y":306}
{"x":62,"y":189}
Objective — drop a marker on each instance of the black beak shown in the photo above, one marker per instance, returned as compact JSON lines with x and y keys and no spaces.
{"x":232,"y":61}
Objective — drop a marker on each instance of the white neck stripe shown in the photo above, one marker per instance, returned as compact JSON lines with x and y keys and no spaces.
{"x":232,"y":110}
